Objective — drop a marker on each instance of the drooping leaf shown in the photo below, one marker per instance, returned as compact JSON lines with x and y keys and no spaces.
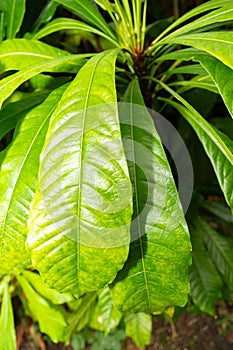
{"x":222,"y":75}
{"x":18,"y":54}
{"x":82,"y":312}
{"x":106,"y":316}
{"x":79,"y":225}
{"x":7,"y":327}
{"x":50,"y":318}
{"x":88,"y":12}
{"x":18,"y":180}
{"x":14,"y":13}
{"x":9,"y":84}
{"x":155,"y":274}
{"x":51,"y":294}
{"x":12,"y":112}
{"x":217,"y":44}
{"x":139,"y":328}
{"x":220,"y":210}
{"x":220,"y":155}
{"x":220,"y":248}
{"x":206,"y":284}
{"x":68,"y":23}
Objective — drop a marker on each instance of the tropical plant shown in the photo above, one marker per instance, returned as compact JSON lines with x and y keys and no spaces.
{"x":88,"y":197}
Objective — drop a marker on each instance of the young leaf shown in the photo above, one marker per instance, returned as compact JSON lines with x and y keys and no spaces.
{"x":217,"y":44}
{"x":18,"y":181}
{"x":155,"y":274}
{"x":206,"y":284}
{"x":220,"y":155}
{"x":68,"y":23}
{"x":139,"y":328}
{"x":79,"y":224}
{"x":9,"y":84}
{"x":18,"y":54}
{"x":14,"y":13}
{"x":7,"y":328}
{"x":106,"y":316}
{"x":220,"y":249}
{"x":51,"y":320}
{"x":222,"y":76}
{"x":88,"y":12}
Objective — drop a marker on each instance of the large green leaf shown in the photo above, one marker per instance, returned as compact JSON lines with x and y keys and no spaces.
{"x":88,"y":12}
{"x":14,"y":12}
{"x":51,"y":294}
{"x":217,"y":44}
{"x":155,"y":274}
{"x":220,"y":248}
{"x":7,"y":328}
{"x":50,"y":318}
{"x":220,"y":155}
{"x":139,"y":328}
{"x":12,"y":112}
{"x":68,"y":23}
{"x":79,"y":225}
{"x":222,"y":75}
{"x":106,"y":316}
{"x":206,"y":284}
{"x":18,"y":180}
{"x":18,"y":54}
{"x":9,"y":84}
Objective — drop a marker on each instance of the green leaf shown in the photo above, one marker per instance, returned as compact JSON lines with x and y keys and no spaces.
{"x":219,"y":154}
{"x":106,"y":316}
{"x":155,"y":274}
{"x":217,"y":44}
{"x":7,"y":328}
{"x":220,"y":249}
{"x":12,"y":112}
{"x":18,"y":181}
{"x":222,"y":76}
{"x":81,"y":314}
{"x":68,"y":23}
{"x":46,"y":14}
{"x":79,"y":225}
{"x":51,"y":320}
{"x":88,"y":12}
{"x":139,"y":328}
{"x":51,"y":294}
{"x":206,"y":284}
{"x":14,"y":13}
{"x":9,"y":84}
{"x":18,"y":54}
{"x":220,"y":210}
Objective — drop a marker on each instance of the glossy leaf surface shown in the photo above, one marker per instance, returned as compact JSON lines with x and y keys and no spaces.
{"x":9,"y":84}
{"x":18,"y":54}
{"x":155,"y":274}
{"x":18,"y":181}
{"x":79,"y":225}
{"x":217,"y":44}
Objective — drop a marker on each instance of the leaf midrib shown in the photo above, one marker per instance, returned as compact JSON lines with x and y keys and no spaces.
{"x":136,"y":195}
{"x":18,"y":176}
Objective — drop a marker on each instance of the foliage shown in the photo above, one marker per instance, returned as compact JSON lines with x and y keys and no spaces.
{"x":90,"y":214}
